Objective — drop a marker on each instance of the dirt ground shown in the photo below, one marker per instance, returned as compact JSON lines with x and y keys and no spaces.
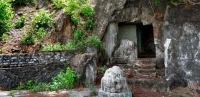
{"x":136,"y":92}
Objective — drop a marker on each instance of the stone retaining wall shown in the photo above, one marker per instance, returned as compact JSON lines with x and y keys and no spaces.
{"x":19,"y":68}
{"x":18,"y":60}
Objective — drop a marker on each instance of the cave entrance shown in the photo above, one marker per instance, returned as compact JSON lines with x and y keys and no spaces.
{"x":141,"y":35}
{"x":145,"y":41}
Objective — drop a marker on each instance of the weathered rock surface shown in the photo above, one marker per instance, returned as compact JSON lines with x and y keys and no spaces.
{"x":182,"y":45}
{"x":63,"y":28}
{"x":85,"y":65}
{"x":113,"y":84}
{"x":110,"y":13}
{"x":175,"y":26}
{"x":169,"y":84}
{"x":126,"y":52}
{"x":110,"y":39}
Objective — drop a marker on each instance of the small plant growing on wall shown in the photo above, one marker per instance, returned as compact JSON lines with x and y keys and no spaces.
{"x":95,"y":41}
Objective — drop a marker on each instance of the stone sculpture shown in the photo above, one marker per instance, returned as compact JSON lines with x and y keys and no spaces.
{"x":113,"y":84}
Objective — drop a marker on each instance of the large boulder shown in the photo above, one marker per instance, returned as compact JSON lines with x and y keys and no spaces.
{"x":85,"y":65}
{"x":125,"y":53}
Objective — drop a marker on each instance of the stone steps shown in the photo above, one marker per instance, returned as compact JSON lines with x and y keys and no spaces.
{"x":143,"y":82}
{"x":142,"y":67}
{"x":145,"y":66}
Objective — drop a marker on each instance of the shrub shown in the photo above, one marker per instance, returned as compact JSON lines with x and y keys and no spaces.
{"x":89,"y":25}
{"x":28,"y":39}
{"x":1,"y":50}
{"x":58,"y":46}
{"x":43,"y":18}
{"x":75,"y":19}
{"x":40,"y":33}
{"x":95,"y":41}
{"x":63,"y":80}
{"x":72,"y":7}
{"x":4,"y":36}
{"x":78,"y":35}
{"x":59,"y":3}
{"x":6,"y":15}
{"x":20,"y":22}
{"x":53,"y":47}
{"x":87,"y":11}
{"x":69,"y":46}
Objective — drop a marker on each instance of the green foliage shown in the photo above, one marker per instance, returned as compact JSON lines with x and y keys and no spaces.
{"x":95,"y":41}
{"x":58,"y":46}
{"x":52,"y":47}
{"x":69,"y":46}
{"x":59,"y":3}
{"x":33,"y":86}
{"x":20,"y":2}
{"x":93,"y":90}
{"x":89,"y":25}
{"x":41,"y":86}
{"x":1,"y":50}
{"x":35,"y":3}
{"x":28,"y":39}
{"x":78,"y":35}
{"x":63,"y":80}
{"x":87,"y":11}
{"x":20,"y":22}
{"x":6,"y":15}
{"x":43,"y":18}
{"x":72,"y":7}
{"x":40,"y":33}
{"x":75,"y":19}
{"x":76,"y":8}
{"x":81,"y":13}
{"x":28,"y":85}
{"x":103,"y":70}
{"x":168,"y":1}
{"x":4,"y":37}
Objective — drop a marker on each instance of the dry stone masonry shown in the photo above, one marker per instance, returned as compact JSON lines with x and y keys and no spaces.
{"x":19,"y":68}
{"x":19,"y":60}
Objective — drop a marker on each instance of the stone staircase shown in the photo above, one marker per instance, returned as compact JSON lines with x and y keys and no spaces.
{"x":143,"y":74}
{"x":145,"y":66}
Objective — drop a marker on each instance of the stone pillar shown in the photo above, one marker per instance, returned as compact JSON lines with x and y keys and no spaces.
{"x":110,"y":39}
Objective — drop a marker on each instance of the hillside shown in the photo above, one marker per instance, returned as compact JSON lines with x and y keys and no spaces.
{"x":48,"y":22}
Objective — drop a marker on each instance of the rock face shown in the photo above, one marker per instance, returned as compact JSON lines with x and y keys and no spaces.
{"x":85,"y":65}
{"x":182,"y":45}
{"x":175,"y":28}
{"x":126,"y":52}
{"x":63,"y":28}
{"x":113,"y":84}
{"x":110,"y":39}
{"x":109,"y":14}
